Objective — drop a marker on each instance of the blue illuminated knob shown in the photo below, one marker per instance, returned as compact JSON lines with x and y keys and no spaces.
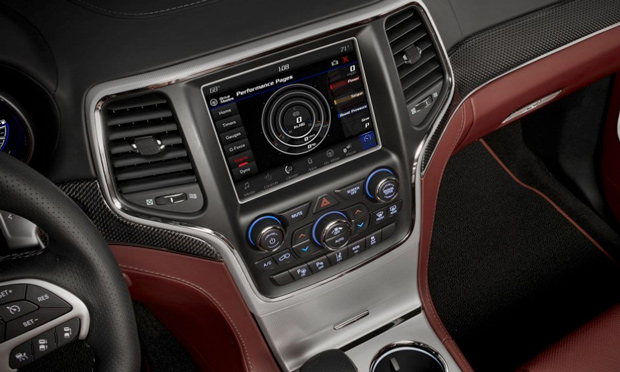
{"x":382,"y":185}
{"x":266,"y":233}
{"x":332,"y":231}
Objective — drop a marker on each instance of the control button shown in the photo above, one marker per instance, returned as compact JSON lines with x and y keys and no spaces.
{"x":332,"y":231}
{"x":337,"y":229}
{"x":382,"y":185}
{"x":388,"y":231}
{"x":224,"y":111}
{"x":373,"y":239}
{"x":319,"y":264}
{"x":426,"y":102}
{"x":379,"y":216}
{"x":284,"y":257}
{"x":356,"y":212}
{"x":296,"y":214}
{"x":351,"y":191}
{"x":267,"y":264}
{"x":44,"y":298}
{"x":231,"y":136}
{"x":306,"y":249}
{"x":33,"y":320}
{"x":44,"y":343}
{"x":68,"y":331}
{"x":302,"y":235}
{"x":359,"y":226}
{"x":228,"y":124}
{"x":244,"y":170}
{"x":21,"y":355}
{"x":241,"y":159}
{"x":300,"y":272}
{"x":266,"y":233}
{"x":237,"y":147}
{"x":324,"y":202}
{"x":394,"y":209}
{"x":11,"y":293}
{"x":338,"y":256}
{"x":171,"y":199}
{"x":282,"y":278}
{"x":357,"y":247}
{"x":338,"y":241}
{"x":14,"y":310}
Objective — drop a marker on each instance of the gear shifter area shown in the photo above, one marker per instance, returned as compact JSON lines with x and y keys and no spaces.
{"x":37,"y":318}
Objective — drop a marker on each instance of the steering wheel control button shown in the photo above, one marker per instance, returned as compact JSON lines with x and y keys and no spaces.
{"x":394,"y":209}
{"x":319,"y":264}
{"x":373,"y":239}
{"x":356,"y":212}
{"x":21,"y":355}
{"x":302,"y":235}
{"x":44,"y":298}
{"x":357,"y":247}
{"x":284,"y":257}
{"x":351,"y":191}
{"x":306,"y":249}
{"x":379,"y":216}
{"x":68,"y":331}
{"x":266,"y":233}
{"x":33,"y":320}
{"x":300,"y":272}
{"x":297,"y":214}
{"x":267,"y":264}
{"x":14,"y":310}
{"x":282,"y":278}
{"x":12,"y":293}
{"x":324,"y":202}
{"x":337,"y":256}
{"x":361,"y":225}
{"x":44,"y":343}
{"x":382,"y":185}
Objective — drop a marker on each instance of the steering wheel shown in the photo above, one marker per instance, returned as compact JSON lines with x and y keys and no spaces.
{"x":77,"y":263}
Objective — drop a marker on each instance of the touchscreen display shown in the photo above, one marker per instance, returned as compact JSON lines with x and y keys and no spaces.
{"x":292,"y":118}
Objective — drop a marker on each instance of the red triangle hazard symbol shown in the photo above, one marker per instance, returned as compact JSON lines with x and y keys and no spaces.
{"x":325,"y":203}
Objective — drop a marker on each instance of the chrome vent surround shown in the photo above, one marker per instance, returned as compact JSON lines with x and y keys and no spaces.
{"x":145,"y":145}
{"x":415,"y":56}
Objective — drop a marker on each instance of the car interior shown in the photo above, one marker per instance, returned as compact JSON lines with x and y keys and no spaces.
{"x":310,"y":186}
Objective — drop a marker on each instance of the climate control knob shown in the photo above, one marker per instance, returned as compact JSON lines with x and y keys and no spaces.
{"x":332,"y":231}
{"x":266,"y":233}
{"x":382,"y":185}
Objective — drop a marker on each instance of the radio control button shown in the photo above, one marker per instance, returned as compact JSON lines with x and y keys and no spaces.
{"x":351,"y":191}
{"x":382,"y":185}
{"x":297,"y":214}
{"x":324,"y":202}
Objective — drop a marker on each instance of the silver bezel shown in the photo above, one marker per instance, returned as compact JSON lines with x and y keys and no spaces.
{"x":395,"y":346}
{"x":320,"y":170}
{"x":79,"y":310}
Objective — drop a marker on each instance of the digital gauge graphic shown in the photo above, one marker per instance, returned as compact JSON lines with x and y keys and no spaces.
{"x":15,"y":133}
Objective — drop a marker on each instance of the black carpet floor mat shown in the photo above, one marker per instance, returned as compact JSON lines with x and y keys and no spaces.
{"x":508,"y":273}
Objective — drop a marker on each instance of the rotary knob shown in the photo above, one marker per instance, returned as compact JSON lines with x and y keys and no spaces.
{"x":382,"y":185}
{"x":266,"y":233}
{"x":332,"y":231}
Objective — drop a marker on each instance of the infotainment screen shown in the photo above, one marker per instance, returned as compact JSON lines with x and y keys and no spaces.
{"x":283,"y":121}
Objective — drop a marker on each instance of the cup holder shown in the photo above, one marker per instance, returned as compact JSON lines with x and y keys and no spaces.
{"x":408,"y":356}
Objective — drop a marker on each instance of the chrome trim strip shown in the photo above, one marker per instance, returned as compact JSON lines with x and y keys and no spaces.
{"x":351,"y":320}
{"x":434,"y":128}
{"x":79,"y":311}
{"x":619,"y":126}
{"x":531,"y":107}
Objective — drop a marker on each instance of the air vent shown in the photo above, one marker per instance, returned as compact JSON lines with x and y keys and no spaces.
{"x":146,"y":148}
{"x":416,"y":58}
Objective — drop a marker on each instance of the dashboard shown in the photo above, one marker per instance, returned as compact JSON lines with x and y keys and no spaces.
{"x":291,"y":151}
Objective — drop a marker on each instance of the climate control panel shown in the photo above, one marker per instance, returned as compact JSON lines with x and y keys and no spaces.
{"x":355,"y":221}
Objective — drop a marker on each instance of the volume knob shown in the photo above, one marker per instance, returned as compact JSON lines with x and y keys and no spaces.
{"x":382,"y":185}
{"x":332,"y":231}
{"x":266,"y":233}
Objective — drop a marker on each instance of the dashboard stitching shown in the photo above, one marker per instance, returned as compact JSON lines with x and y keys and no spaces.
{"x":155,"y":12}
{"x":208,"y":295}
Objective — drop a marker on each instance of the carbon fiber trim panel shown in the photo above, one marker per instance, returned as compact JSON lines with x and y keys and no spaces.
{"x":115,"y":229}
{"x":498,"y":50}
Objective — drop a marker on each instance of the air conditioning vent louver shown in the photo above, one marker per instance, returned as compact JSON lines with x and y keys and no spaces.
{"x":415,"y":56}
{"x":146,"y":148}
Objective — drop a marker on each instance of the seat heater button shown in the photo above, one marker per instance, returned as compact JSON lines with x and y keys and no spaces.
{"x":21,"y":355}
{"x":68,"y":331}
{"x":14,"y":310}
{"x":44,"y":343}
{"x":31,"y":321}
{"x":11,"y":293}
{"x":44,"y":298}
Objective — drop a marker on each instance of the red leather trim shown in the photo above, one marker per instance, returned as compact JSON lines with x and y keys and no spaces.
{"x":592,"y":347}
{"x":544,"y":196}
{"x":569,"y":69}
{"x":611,"y":153}
{"x":198,"y":301}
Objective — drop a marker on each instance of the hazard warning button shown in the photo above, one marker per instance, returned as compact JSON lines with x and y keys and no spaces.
{"x":324,"y":202}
